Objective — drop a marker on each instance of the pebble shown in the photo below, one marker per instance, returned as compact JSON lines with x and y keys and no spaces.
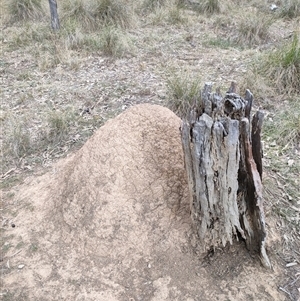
{"x":273,"y":7}
{"x":21,"y":266}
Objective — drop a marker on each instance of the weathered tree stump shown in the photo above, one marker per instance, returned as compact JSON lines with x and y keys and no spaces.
{"x":223,"y":160}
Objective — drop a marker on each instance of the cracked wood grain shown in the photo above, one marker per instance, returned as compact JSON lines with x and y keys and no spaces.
{"x":224,"y":170}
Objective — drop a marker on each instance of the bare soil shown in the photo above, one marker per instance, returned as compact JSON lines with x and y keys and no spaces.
{"x":110,"y":221}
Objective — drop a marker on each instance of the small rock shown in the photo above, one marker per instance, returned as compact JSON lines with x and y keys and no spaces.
{"x":273,"y":7}
{"x":161,"y":95}
{"x":149,"y":265}
{"x":21,"y":266}
{"x":290,"y":162}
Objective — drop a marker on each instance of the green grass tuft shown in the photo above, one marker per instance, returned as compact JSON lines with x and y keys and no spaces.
{"x":281,"y":136}
{"x":113,"y":42}
{"x":208,"y":7}
{"x":181,"y":3}
{"x":152,"y":5}
{"x":284,"y":127}
{"x":282,"y":67}
{"x":76,"y":13}
{"x":183,"y":93}
{"x":112,"y":12}
{"x":94,"y":14}
{"x":59,"y":125}
{"x":177,"y":16}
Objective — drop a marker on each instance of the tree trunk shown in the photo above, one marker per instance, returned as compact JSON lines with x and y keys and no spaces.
{"x":54,"y":15}
{"x":223,"y":160}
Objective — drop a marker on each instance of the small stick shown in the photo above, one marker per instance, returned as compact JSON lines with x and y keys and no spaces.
{"x":15,"y":254}
{"x":7,"y":173}
{"x":285,"y":291}
{"x":294,"y":281}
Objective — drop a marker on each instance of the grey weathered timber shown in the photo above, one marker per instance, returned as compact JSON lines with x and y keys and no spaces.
{"x":224,"y":169}
{"x":54,"y":15}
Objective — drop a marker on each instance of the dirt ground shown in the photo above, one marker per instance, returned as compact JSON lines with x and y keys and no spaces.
{"x":111,"y":222}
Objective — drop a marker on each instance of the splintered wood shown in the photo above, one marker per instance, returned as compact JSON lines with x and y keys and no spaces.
{"x":223,"y":160}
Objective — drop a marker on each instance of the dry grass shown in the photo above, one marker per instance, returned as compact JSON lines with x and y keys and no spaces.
{"x":78,"y":40}
{"x":289,"y":9}
{"x":58,"y":88}
{"x":258,"y":85}
{"x":94,"y":14}
{"x":111,"y":41}
{"x":253,"y":30}
{"x":170,"y":14}
{"x":99,"y":27}
{"x":29,"y":35}
{"x":24,"y":10}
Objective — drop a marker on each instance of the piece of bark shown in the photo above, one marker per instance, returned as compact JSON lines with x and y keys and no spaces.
{"x":257,"y":122}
